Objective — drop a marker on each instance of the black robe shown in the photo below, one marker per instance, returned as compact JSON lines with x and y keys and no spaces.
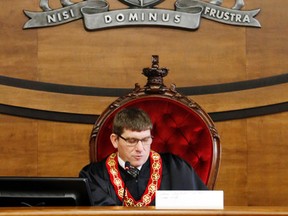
{"x":176,"y":175}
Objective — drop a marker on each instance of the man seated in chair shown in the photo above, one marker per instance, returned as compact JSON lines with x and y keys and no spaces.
{"x":135,"y":171}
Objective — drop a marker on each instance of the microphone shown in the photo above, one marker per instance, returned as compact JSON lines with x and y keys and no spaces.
{"x":133,"y":171}
{"x":127,"y":165}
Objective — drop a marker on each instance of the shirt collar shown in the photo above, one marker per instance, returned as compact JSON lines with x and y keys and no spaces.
{"x":122,"y":163}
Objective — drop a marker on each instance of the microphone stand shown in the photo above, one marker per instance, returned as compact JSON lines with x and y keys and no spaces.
{"x":123,"y":201}
{"x":134,"y":172}
{"x":127,"y":166}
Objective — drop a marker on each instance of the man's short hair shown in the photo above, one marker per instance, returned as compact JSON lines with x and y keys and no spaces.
{"x":133,"y":119}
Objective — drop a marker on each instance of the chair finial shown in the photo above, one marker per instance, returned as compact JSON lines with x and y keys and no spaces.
{"x":155,"y":76}
{"x":155,"y":61}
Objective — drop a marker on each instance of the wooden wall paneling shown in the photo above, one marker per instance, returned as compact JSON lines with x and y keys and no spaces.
{"x":18,"y":55}
{"x":18,"y":146}
{"x":242,"y":99}
{"x":54,"y":101}
{"x":95,"y":105}
{"x":83,"y":58}
{"x":267,"y":48}
{"x":69,"y":54}
{"x":267,"y":160}
{"x":232,"y":177}
{"x":64,"y":153}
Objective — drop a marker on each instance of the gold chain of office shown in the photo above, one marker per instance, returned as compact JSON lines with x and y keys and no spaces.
{"x":153,"y":183}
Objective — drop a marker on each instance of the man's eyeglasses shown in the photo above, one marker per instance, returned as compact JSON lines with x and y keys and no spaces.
{"x":132,"y":142}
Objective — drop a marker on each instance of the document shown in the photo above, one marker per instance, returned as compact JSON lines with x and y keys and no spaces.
{"x":194,"y":199}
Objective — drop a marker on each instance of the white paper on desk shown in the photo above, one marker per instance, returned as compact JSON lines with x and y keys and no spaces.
{"x":191,"y":199}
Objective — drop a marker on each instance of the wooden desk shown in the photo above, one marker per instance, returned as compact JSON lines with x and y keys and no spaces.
{"x":124,"y":211}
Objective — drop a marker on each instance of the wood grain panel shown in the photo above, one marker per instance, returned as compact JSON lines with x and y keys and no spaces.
{"x":65,"y":153}
{"x":243,"y":99}
{"x":18,"y":53}
{"x":69,"y":54}
{"x":18,"y":146}
{"x":267,"y":48}
{"x":232,"y":177}
{"x":96,"y":105}
{"x":53,"y":101}
{"x":267,"y":160}
{"x":91,"y":63}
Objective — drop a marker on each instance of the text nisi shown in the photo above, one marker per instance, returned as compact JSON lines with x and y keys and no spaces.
{"x":142,"y":17}
{"x":60,"y":16}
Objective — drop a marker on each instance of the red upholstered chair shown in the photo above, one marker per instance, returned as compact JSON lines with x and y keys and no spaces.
{"x":180,"y":125}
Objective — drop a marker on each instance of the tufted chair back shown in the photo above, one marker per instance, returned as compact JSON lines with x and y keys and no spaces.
{"x":180,"y":125}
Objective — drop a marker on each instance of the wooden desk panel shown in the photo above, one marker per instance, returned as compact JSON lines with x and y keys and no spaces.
{"x":123,"y":211}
